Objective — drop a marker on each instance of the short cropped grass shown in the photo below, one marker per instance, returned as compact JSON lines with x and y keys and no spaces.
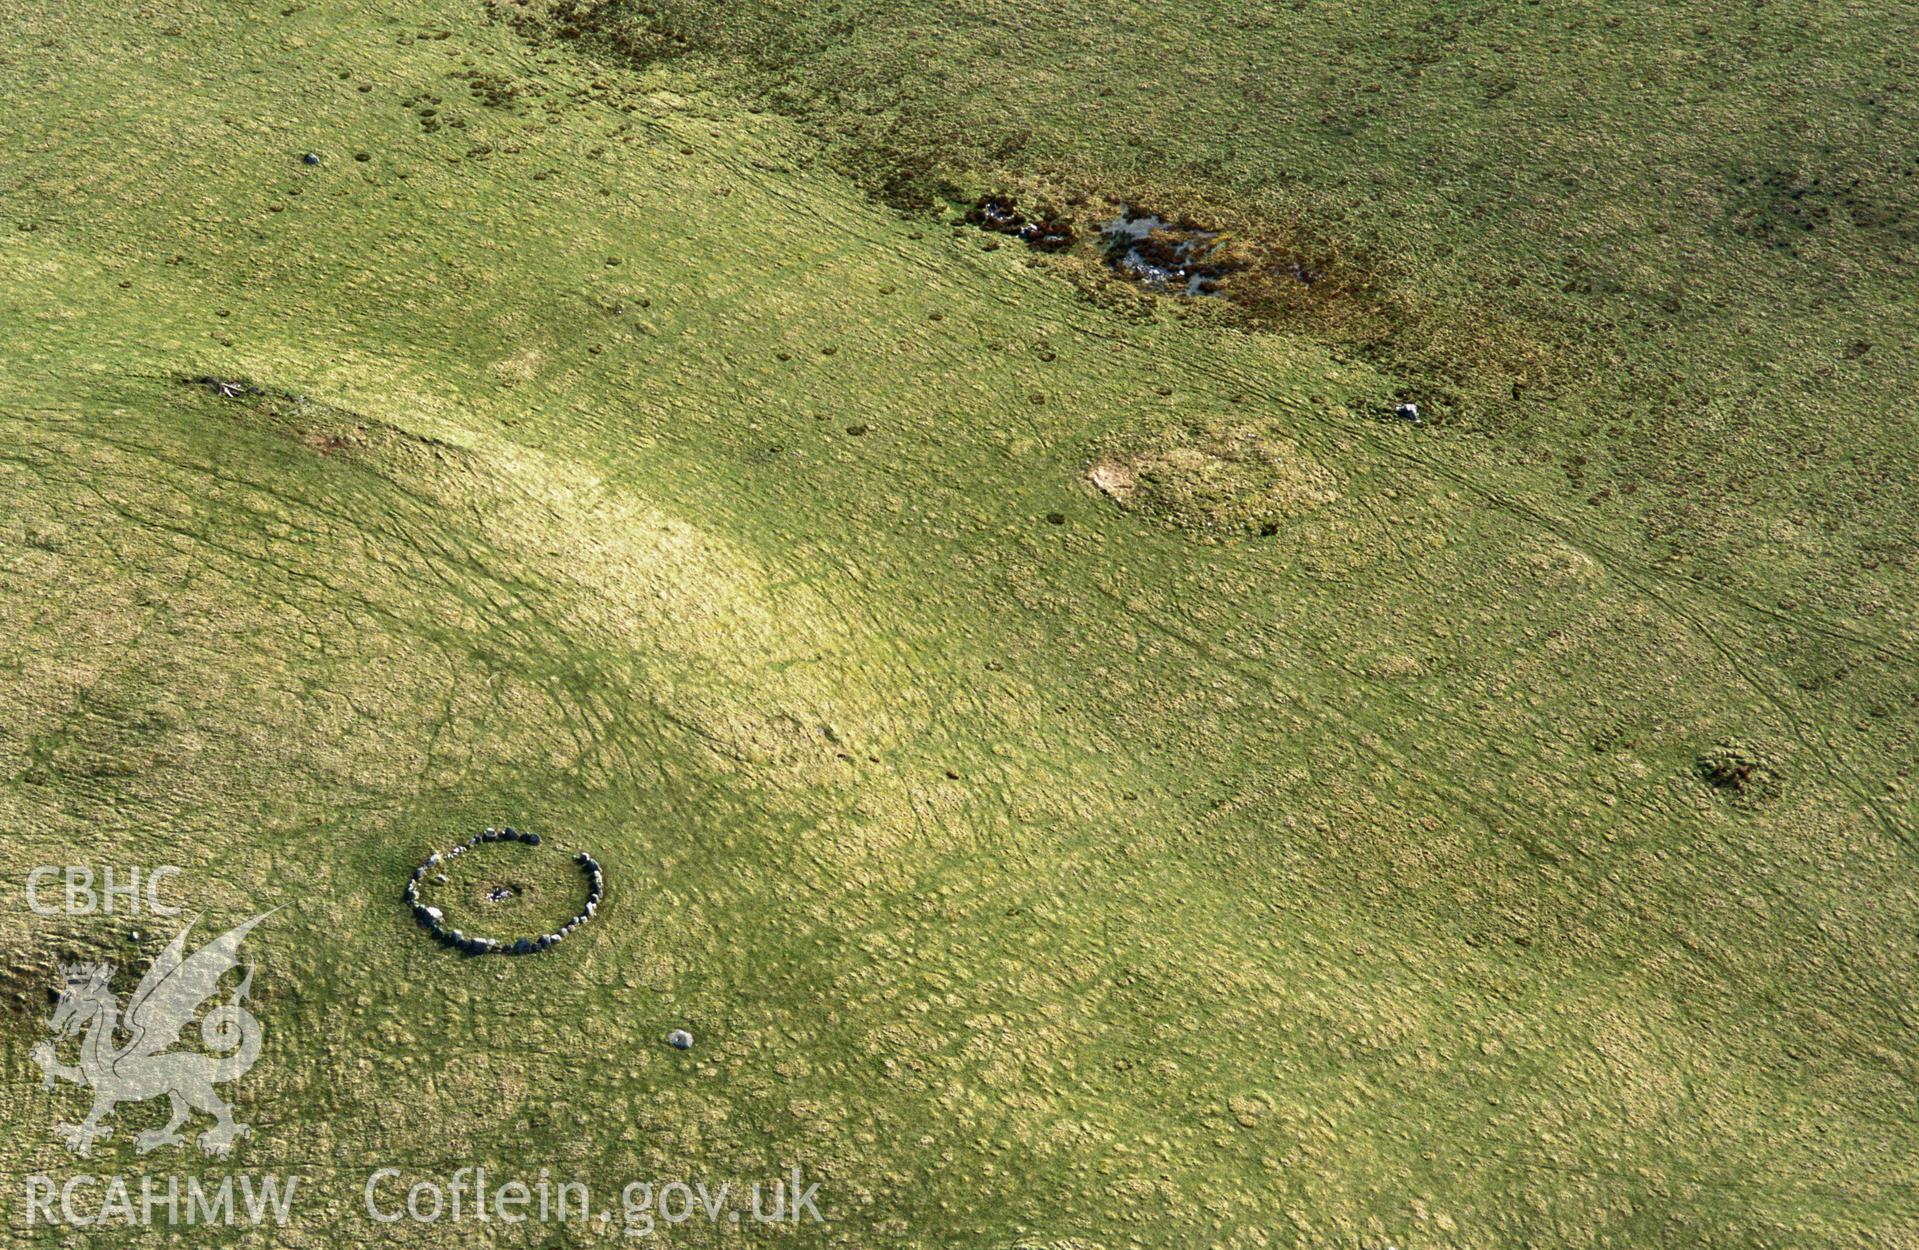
{"x":1321,"y":845}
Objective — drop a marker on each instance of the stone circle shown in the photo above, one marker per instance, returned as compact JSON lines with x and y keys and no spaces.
{"x":433,"y":920}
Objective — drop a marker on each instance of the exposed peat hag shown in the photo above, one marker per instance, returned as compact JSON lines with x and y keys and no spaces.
{"x":1174,"y":258}
{"x":1182,"y":258}
{"x":1000,"y":214}
{"x":1177,"y":259}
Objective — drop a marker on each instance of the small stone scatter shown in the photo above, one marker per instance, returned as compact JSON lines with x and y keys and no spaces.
{"x":432,"y":919}
{"x":227,"y":388}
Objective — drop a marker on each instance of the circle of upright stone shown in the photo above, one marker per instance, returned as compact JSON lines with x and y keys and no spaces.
{"x":433,"y":920}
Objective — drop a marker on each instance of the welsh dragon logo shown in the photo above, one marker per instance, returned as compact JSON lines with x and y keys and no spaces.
{"x":142,"y":1066}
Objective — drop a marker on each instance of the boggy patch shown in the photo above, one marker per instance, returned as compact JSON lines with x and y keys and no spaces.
{"x":636,"y":34}
{"x":1001,"y":214}
{"x":1173,"y":258}
{"x":1185,"y":258}
{"x":1213,"y":478}
{"x":1169,"y":256}
{"x":1781,"y":207}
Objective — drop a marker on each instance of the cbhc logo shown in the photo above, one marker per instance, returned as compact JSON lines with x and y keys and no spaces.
{"x":81,"y":897}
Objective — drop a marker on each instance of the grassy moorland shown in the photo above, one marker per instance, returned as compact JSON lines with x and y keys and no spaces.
{"x":1330,"y":831}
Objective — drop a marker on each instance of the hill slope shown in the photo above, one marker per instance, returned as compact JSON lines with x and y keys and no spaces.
{"x":1479,"y":833}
